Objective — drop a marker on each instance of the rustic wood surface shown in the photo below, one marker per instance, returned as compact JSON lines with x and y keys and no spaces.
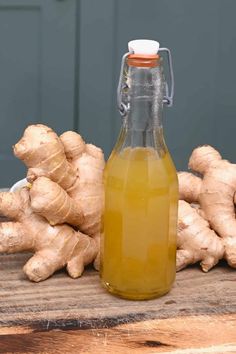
{"x":62,"y":315}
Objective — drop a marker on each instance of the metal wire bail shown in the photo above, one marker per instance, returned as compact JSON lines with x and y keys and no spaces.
{"x":123,"y":109}
{"x":168,"y":98}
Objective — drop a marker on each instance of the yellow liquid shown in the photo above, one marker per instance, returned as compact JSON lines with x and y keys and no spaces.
{"x":140,"y":224}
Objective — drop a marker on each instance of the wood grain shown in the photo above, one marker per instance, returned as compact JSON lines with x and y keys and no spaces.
{"x":63,"y":315}
{"x":186,"y":335}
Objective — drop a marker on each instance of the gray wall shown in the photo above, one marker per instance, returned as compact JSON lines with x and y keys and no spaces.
{"x":37,"y":72}
{"x":60,"y":60}
{"x":202,"y":37}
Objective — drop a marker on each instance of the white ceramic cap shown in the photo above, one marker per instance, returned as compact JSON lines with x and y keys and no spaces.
{"x":144,"y":46}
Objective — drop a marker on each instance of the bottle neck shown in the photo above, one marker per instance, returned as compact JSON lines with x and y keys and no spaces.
{"x":144,"y":95}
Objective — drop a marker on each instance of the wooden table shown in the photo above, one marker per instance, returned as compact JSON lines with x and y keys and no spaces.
{"x":62,"y":315}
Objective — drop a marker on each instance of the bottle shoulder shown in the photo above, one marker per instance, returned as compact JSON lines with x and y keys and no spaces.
{"x":141,"y":164}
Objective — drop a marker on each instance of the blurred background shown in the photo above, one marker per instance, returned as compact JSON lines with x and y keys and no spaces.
{"x":60,"y":62}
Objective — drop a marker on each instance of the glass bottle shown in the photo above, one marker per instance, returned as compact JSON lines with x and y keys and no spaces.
{"x":138,"y":246}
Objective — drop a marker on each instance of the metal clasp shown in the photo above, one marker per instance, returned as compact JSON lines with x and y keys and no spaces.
{"x":168,"y":98}
{"x":169,"y":95}
{"x":123,"y":108}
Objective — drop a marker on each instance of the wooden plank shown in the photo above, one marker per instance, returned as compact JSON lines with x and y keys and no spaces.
{"x":64,"y":303}
{"x":186,"y":335}
{"x":62,"y":315}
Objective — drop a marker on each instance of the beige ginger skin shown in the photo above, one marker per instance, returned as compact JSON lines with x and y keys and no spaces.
{"x":215,"y":193}
{"x":196,"y":241}
{"x":58,"y":215}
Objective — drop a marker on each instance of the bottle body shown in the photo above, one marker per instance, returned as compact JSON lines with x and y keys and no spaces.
{"x":138,"y":246}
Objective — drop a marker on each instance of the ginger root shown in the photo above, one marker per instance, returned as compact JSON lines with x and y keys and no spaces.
{"x":215,"y":191}
{"x":196,"y":241}
{"x":58,"y":216}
